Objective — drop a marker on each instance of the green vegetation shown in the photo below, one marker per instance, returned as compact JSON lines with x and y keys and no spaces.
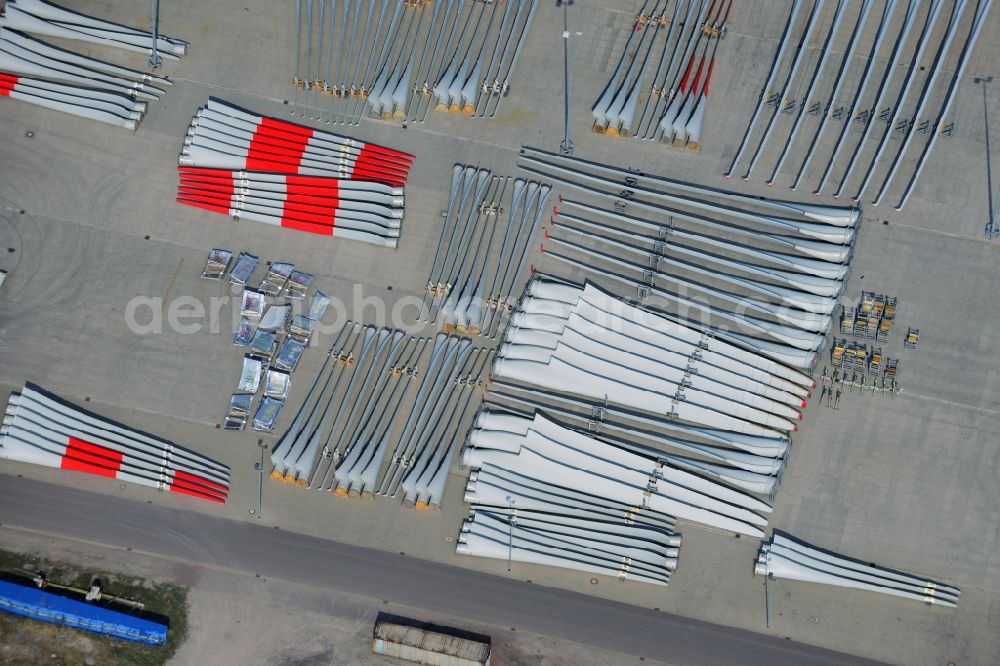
{"x":28,"y":642}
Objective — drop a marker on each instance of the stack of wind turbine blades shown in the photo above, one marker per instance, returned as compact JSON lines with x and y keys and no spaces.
{"x":545,"y":521}
{"x":343,"y":51}
{"x":619,"y":114}
{"x":437,"y":435}
{"x":683,"y":87}
{"x":603,"y":105}
{"x":438,"y":371}
{"x":828,"y":111}
{"x":681,"y":98}
{"x":352,"y":447}
{"x":43,"y":18}
{"x":786,"y":558}
{"x":929,"y":90}
{"x":793,"y":338}
{"x":755,"y":453}
{"x":423,"y":484}
{"x":743,"y":280}
{"x":500,"y":68}
{"x":789,"y":315}
{"x":688,"y":16}
{"x":614,"y":549}
{"x":677,"y":93}
{"x":675,"y":131}
{"x":579,"y":340}
{"x":463,"y":180}
{"x":349,"y":438}
{"x":21,"y":54}
{"x":770,"y":293}
{"x":816,"y":257}
{"x":683,"y":118}
{"x":544,"y":450}
{"x":431,"y":54}
{"x":437,"y":403}
{"x":555,"y":344}
{"x":778,"y":100}
{"x":44,"y":75}
{"x":448,"y":89}
{"x":294,"y":456}
{"x":890,"y":111}
{"x":775,"y":374}
{"x":369,"y":211}
{"x":398,"y":59}
{"x":708,"y":241}
{"x":367,"y":439}
{"x":372,"y":192}
{"x":223,"y":136}
{"x":40,"y":428}
{"x":595,"y":527}
{"x":105,"y":106}
{"x":469,"y":283}
{"x":391,"y":65}
{"x":461,"y":280}
{"x":767,"y":96}
{"x":752,"y":473}
{"x":816,"y":76}
{"x":491,"y":486}
{"x":522,"y":226}
{"x":905,"y":61}
{"x":463,"y":90}
{"x":979,"y":20}
{"x":805,"y":275}
{"x":288,"y":175}
{"x":645,"y":363}
{"x":834,"y":225}
{"x":378,"y":348}
{"x":479,"y":57}
{"x":363,"y":473}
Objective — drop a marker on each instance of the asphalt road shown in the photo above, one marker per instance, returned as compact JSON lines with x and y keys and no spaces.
{"x":200,"y":539}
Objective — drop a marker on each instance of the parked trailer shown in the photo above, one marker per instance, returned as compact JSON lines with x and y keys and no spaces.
{"x":424,"y":643}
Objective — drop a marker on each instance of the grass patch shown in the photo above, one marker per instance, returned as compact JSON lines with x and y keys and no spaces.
{"x":30,"y":642}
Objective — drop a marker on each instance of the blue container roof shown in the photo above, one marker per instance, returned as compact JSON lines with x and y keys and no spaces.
{"x":42,"y":605}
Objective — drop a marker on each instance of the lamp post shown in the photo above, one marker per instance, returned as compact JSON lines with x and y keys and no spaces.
{"x":566,"y":147}
{"x":993,"y":211}
{"x":154,"y":57}
{"x":511,"y":519}
{"x":260,"y":479}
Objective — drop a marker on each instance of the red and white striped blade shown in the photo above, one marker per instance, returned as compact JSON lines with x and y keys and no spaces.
{"x":296,"y":187}
{"x":44,"y":430}
{"x":340,"y":218}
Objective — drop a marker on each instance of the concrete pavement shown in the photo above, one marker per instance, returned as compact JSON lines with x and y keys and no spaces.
{"x":203,"y":540}
{"x":909,"y":482}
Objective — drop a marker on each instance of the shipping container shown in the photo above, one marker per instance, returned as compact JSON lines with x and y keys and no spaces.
{"x":426,"y":643}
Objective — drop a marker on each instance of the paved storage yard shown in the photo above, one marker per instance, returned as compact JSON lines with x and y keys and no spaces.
{"x":88,"y":222}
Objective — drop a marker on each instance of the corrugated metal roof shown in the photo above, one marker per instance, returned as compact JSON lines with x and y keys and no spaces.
{"x":432,"y":641}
